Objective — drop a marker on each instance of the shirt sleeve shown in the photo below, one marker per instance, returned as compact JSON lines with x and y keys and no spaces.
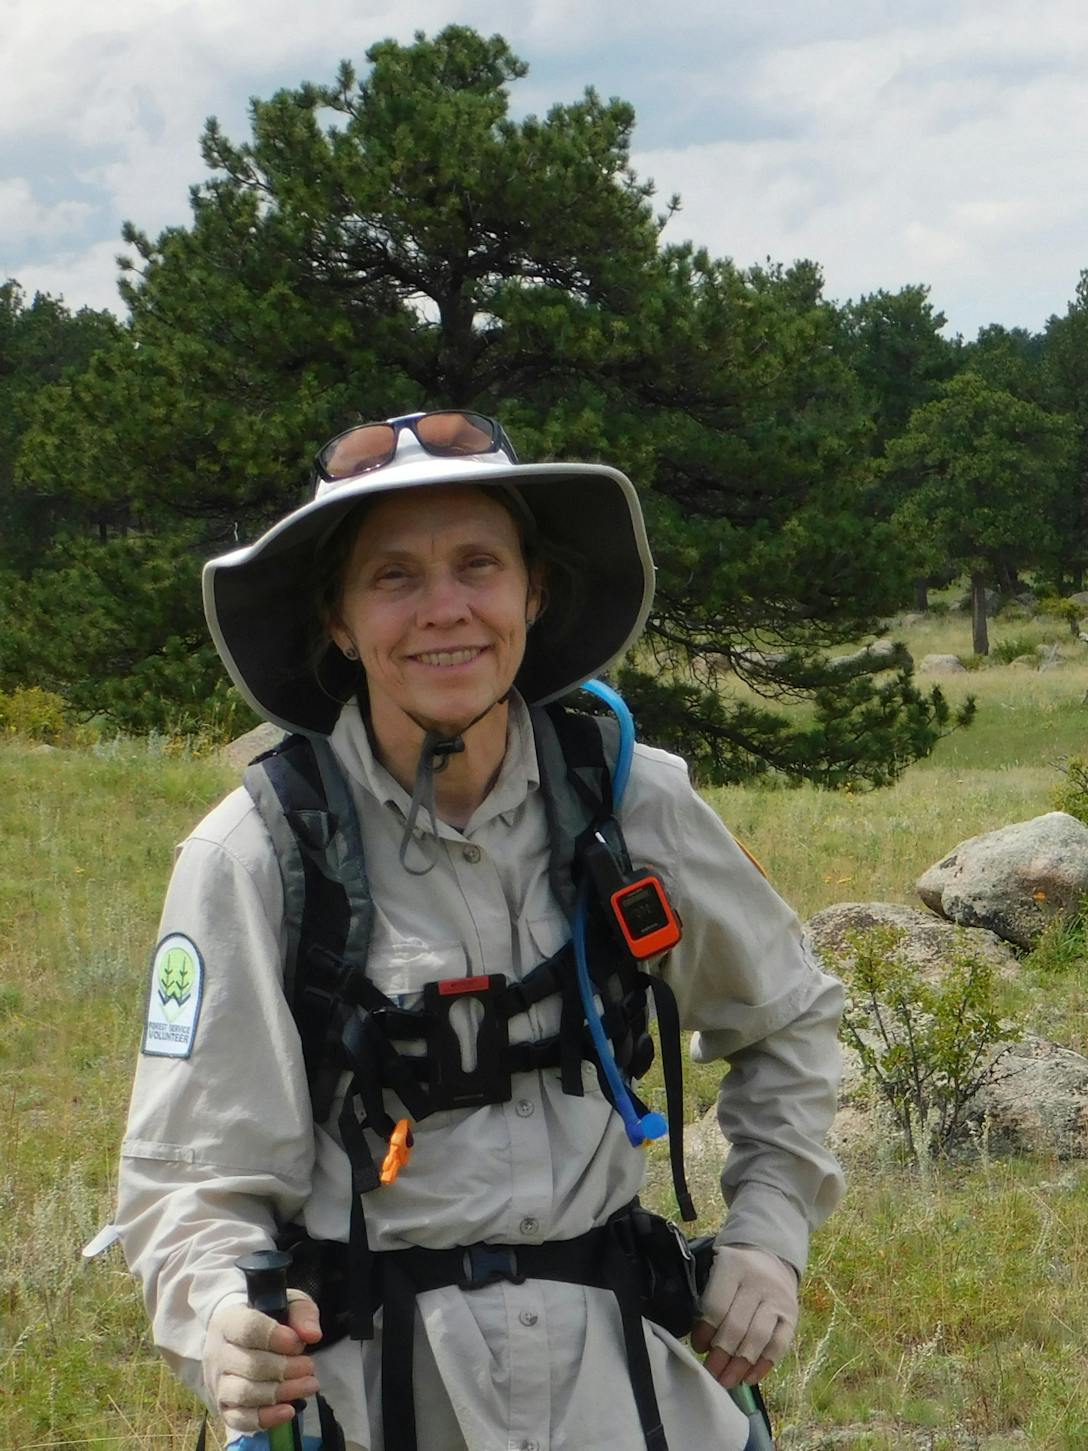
{"x":749,"y":985}
{"x":219,"y":1146}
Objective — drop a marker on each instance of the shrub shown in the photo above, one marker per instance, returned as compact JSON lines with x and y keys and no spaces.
{"x":1062,"y":950}
{"x":1012,"y":647}
{"x":1072,"y":794}
{"x":33,"y":713}
{"x":1062,"y":609}
{"x":926,"y":1048}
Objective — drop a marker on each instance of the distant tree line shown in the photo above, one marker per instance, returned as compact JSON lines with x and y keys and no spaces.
{"x":398,"y":241}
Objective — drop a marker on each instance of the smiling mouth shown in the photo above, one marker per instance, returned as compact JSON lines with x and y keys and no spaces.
{"x":449,"y":657}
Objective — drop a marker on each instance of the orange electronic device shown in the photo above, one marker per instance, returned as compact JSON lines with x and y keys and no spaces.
{"x":644,"y":916}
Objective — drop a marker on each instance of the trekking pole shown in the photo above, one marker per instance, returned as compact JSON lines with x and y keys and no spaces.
{"x":750,"y":1402}
{"x":266,"y":1286}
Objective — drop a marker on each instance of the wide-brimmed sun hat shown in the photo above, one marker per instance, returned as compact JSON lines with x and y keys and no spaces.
{"x":259,"y":600}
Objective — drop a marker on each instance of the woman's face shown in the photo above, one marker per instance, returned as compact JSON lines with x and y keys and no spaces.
{"x":436,"y":601}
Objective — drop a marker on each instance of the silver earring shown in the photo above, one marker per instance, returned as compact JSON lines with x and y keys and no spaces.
{"x":351,"y":652}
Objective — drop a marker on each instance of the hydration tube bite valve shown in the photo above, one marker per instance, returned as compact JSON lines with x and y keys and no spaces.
{"x":639,"y":1127}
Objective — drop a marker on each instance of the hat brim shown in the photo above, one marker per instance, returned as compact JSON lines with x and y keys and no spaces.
{"x":259,"y":611}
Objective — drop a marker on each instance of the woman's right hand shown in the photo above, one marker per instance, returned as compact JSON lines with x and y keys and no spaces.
{"x":254,"y":1367}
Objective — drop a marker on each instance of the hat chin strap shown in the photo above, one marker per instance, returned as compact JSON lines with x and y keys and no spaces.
{"x":434,"y":756}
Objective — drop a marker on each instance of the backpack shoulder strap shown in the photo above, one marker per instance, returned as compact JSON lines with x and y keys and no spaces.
{"x":576,"y":754}
{"x":286,"y":790}
{"x":307,"y":807}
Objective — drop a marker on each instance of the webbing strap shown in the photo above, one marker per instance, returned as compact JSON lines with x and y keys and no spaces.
{"x":672,"y":1070}
{"x":621,"y":1282}
{"x":398,"y":1355}
{"x":597,"y":1258}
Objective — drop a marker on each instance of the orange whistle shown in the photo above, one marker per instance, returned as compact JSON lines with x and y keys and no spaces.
{"x":398,"y":1153}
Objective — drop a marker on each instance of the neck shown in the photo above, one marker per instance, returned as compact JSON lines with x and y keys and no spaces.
{"x":467,"y":776}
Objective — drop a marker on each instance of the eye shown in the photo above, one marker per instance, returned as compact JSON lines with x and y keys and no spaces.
{"x":390,"y":575}
{"x":481,"y":561}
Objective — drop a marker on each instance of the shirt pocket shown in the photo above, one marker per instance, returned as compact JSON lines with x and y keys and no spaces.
{"x":401,"y":967}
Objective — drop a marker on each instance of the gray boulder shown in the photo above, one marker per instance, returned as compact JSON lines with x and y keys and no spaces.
{"x":239,"y":752}
{"x":929,"y":943}
{"x":993,"y":602}
{"x":942,"y":665}
{"x":870,"y":659}
{"x":1038,"y":1104}
{"x":1013,"y":881}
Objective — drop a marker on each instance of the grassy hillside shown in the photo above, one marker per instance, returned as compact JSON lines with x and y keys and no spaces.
{"x":943,"y":1310}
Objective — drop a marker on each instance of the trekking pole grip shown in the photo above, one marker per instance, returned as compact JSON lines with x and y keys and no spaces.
{"x":266,"y":1288}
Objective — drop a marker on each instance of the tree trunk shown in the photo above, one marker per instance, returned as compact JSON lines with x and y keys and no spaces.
{"x":921,"y":594}
{"x":980,"y":637}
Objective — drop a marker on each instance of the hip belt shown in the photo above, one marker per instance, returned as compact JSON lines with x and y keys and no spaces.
{"x":644,"y":1261}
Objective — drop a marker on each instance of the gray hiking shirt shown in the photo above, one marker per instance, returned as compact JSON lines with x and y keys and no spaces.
{"x":221,"y":1145}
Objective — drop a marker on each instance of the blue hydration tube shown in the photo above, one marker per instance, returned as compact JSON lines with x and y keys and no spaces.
{"x":639,"y":1127}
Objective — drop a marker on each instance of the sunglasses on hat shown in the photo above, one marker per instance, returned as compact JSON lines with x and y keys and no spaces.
{"x":450,"y":433}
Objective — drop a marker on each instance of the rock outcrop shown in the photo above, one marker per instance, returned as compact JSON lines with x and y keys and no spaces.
{"x":1013,"y":881}
{"x":930,"y":943}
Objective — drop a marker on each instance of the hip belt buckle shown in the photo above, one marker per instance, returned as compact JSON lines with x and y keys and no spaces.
{"x":486,"y":1264}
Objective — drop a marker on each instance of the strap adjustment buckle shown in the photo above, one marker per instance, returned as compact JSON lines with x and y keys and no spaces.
{"x":487,"y":1264}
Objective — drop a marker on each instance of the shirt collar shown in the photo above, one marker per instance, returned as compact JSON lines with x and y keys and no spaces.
{"x":518,"y":775}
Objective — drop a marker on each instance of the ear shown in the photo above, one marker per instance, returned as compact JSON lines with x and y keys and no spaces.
{"x":339,"y":635}
{"x":537,"y":598}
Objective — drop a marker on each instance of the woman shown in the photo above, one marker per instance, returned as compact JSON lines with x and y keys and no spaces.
{"x":407,"y":620}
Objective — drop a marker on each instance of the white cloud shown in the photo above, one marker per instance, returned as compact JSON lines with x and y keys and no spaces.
{"x":86,"y":278}
{"x":949,"y":154}
{"x":936,"y":142}
{"x":22,"y":216}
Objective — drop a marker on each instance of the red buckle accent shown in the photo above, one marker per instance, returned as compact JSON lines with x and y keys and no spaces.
{"x":450,"y":985}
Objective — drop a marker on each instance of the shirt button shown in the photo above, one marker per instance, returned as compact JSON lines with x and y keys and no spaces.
{"x":472,"y":854}
{"x":524,"y":1109}
{"x":527,"y":1317}
{"x":529,"y":1225}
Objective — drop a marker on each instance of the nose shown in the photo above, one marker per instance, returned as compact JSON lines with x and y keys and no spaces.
{"x":443,"y":600}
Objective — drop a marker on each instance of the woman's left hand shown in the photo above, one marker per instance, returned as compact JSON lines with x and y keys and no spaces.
{"x":747,"y":1315}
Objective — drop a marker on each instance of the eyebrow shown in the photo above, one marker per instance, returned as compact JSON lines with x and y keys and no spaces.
{"x":405,"y":551}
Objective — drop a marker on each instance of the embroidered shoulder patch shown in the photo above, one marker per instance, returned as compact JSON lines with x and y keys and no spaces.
{"x":173,"y":1004}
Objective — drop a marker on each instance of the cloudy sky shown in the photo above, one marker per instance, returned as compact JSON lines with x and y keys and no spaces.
{"x":935,"y":141}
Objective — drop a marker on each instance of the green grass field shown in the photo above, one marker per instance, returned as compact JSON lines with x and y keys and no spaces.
{"x":942,"y":1310}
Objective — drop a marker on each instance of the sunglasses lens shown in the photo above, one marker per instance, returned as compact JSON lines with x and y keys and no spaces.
{"x":453,"y":434}
{"x":358,"y":450}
